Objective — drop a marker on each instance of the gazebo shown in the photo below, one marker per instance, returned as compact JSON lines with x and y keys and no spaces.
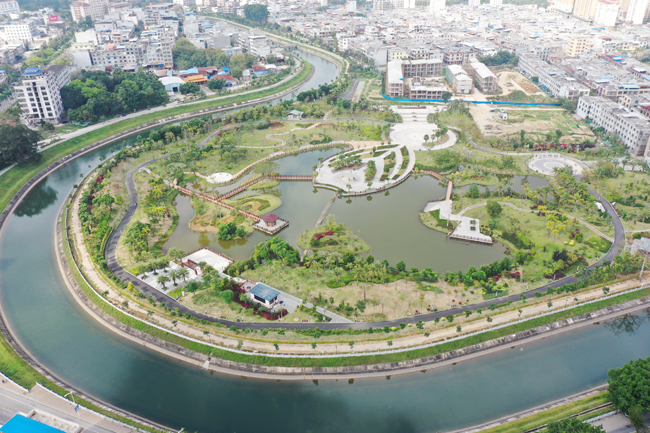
{"x":270,"y":220}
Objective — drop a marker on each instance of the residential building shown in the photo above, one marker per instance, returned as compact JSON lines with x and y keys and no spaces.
{"x":585,"y":9}
{"x":577,"y":46}
{"x":381,"y":5}
{"x":496,"y":2}
{"x":565,"y":6}
{"x":406,"y":76}
{"x":39,"y":93}
{"x":352,"y":6}
{"x":484,"y":79}
{"x":474,"y":3}
{"x":631,"y":127}
{"x":606,"y":13}
{"x":8,"y":7}
{"x":98,"y":8}
{"x":23,"y":31}
{"x":436,"y":6}
{"x":637,"y":11}
{"x":460,"y":81}
{"x":80,"y":10}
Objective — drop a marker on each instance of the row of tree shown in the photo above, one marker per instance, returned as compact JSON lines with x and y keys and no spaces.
{"x":96,"y":95}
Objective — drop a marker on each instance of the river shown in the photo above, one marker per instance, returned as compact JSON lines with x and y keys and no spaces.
{"x":87,"y":355}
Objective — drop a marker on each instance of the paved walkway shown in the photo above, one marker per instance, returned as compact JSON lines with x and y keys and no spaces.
{"x":13,"y":400}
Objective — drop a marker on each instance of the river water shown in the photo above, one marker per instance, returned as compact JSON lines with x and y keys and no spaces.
{"x":89,"y":356}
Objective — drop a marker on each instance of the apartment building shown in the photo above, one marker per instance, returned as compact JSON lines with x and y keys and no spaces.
{"x":39,"y":94}
{"x":484,"y":79}
{"x":577,"y":46}
{"x":637,"y":11}
{"x":459,"y":79}
{"x":554,"y":79}
{"x":585,"y":9}
{"x":80,"y":10}
{"x":496,"y":2}
{"x":9,"y":7}
{"x":437,"y":6}
{"x":401,"y":73}
{"x":23,"y":31}
{"x":606,"y":13}
{"x":632,"y":128}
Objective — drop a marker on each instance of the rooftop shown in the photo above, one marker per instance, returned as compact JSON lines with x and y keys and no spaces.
{"x":265,"y":292}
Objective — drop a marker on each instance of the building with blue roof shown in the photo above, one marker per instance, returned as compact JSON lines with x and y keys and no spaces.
{"x":264,"y":295}
{"x":22,"y":424}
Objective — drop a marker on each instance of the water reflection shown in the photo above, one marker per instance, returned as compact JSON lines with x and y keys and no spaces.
{"x":41,"y":197}
{"x":627,"y":324}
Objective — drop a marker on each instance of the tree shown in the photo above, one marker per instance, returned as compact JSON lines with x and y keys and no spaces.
{"x":227,"y":296}
{"x":183,"y":273}
{"x":189,"y":88}
{"x":446,"y":96}
{"x":636,"y":418}
{"x":256,"y":12}
{"x":216,"y":84}
{"x":162,"y":280}
{"x":175,"y":253}
{"x":494,"y":209}
{"x":17,"y":142}
{"x":572,"y":425}
{"x":473,"y":191}
{"x":401,"y":266}
{"x":426,"y":138}
{"x":629,"y":385}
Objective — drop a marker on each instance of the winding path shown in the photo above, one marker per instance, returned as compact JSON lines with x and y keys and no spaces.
{"x":116,"y":268}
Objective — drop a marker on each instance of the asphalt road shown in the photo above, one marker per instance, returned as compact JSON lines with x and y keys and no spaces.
{"x":116,"y":268}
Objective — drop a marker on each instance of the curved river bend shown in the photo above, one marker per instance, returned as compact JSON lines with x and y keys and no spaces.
{"x":87,"y":355}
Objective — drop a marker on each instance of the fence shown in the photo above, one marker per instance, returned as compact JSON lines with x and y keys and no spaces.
{"x":532,"y":104}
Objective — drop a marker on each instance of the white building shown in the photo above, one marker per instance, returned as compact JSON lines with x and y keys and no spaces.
{"x":459,"y":79}
{"x":496,"y":2}
{"x":40,"y":93}
{"x":186,"y":3}
{"x":352,"y":6}
{"x":631,"y":127}
{"x":474,"y":3}
{"x":636,"y":11}
{"x":23,"y":31}
{"x":436,"y":6}
{"x":9,"y":7}
{"x":409,"y":4}
{"x":606,"y":13}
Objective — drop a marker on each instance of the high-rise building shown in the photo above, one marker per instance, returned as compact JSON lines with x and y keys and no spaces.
{"x":637,"y":11}
{"x":606,"y":13}
{"x":474,"y":3}
{"x":352,"y":6}
{"x":80,"y":10}
{"x":496,"y":2}
{"x":40,"y":93}
{"x":409,"y":4}
{"x":9,"y":7}
{"x":436,"y":6}
{"x":585,"y":9}
{"x":381,"y":5}
{"x":565,"y":6}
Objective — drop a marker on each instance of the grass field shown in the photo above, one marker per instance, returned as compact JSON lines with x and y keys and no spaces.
{"x":550,"y":415}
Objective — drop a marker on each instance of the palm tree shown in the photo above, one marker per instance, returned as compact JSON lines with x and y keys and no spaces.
{"x":175,"y":253}
{"x":337,"y":273}
{"x":183,"y":273}
{"x":173,"y":274}
{"x":162,"y":280}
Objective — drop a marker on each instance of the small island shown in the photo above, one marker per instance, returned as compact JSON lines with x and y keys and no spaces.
{"x":332,"y":237}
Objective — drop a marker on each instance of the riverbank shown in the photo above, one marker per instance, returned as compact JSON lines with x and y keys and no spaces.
{"x":229,"y":361}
